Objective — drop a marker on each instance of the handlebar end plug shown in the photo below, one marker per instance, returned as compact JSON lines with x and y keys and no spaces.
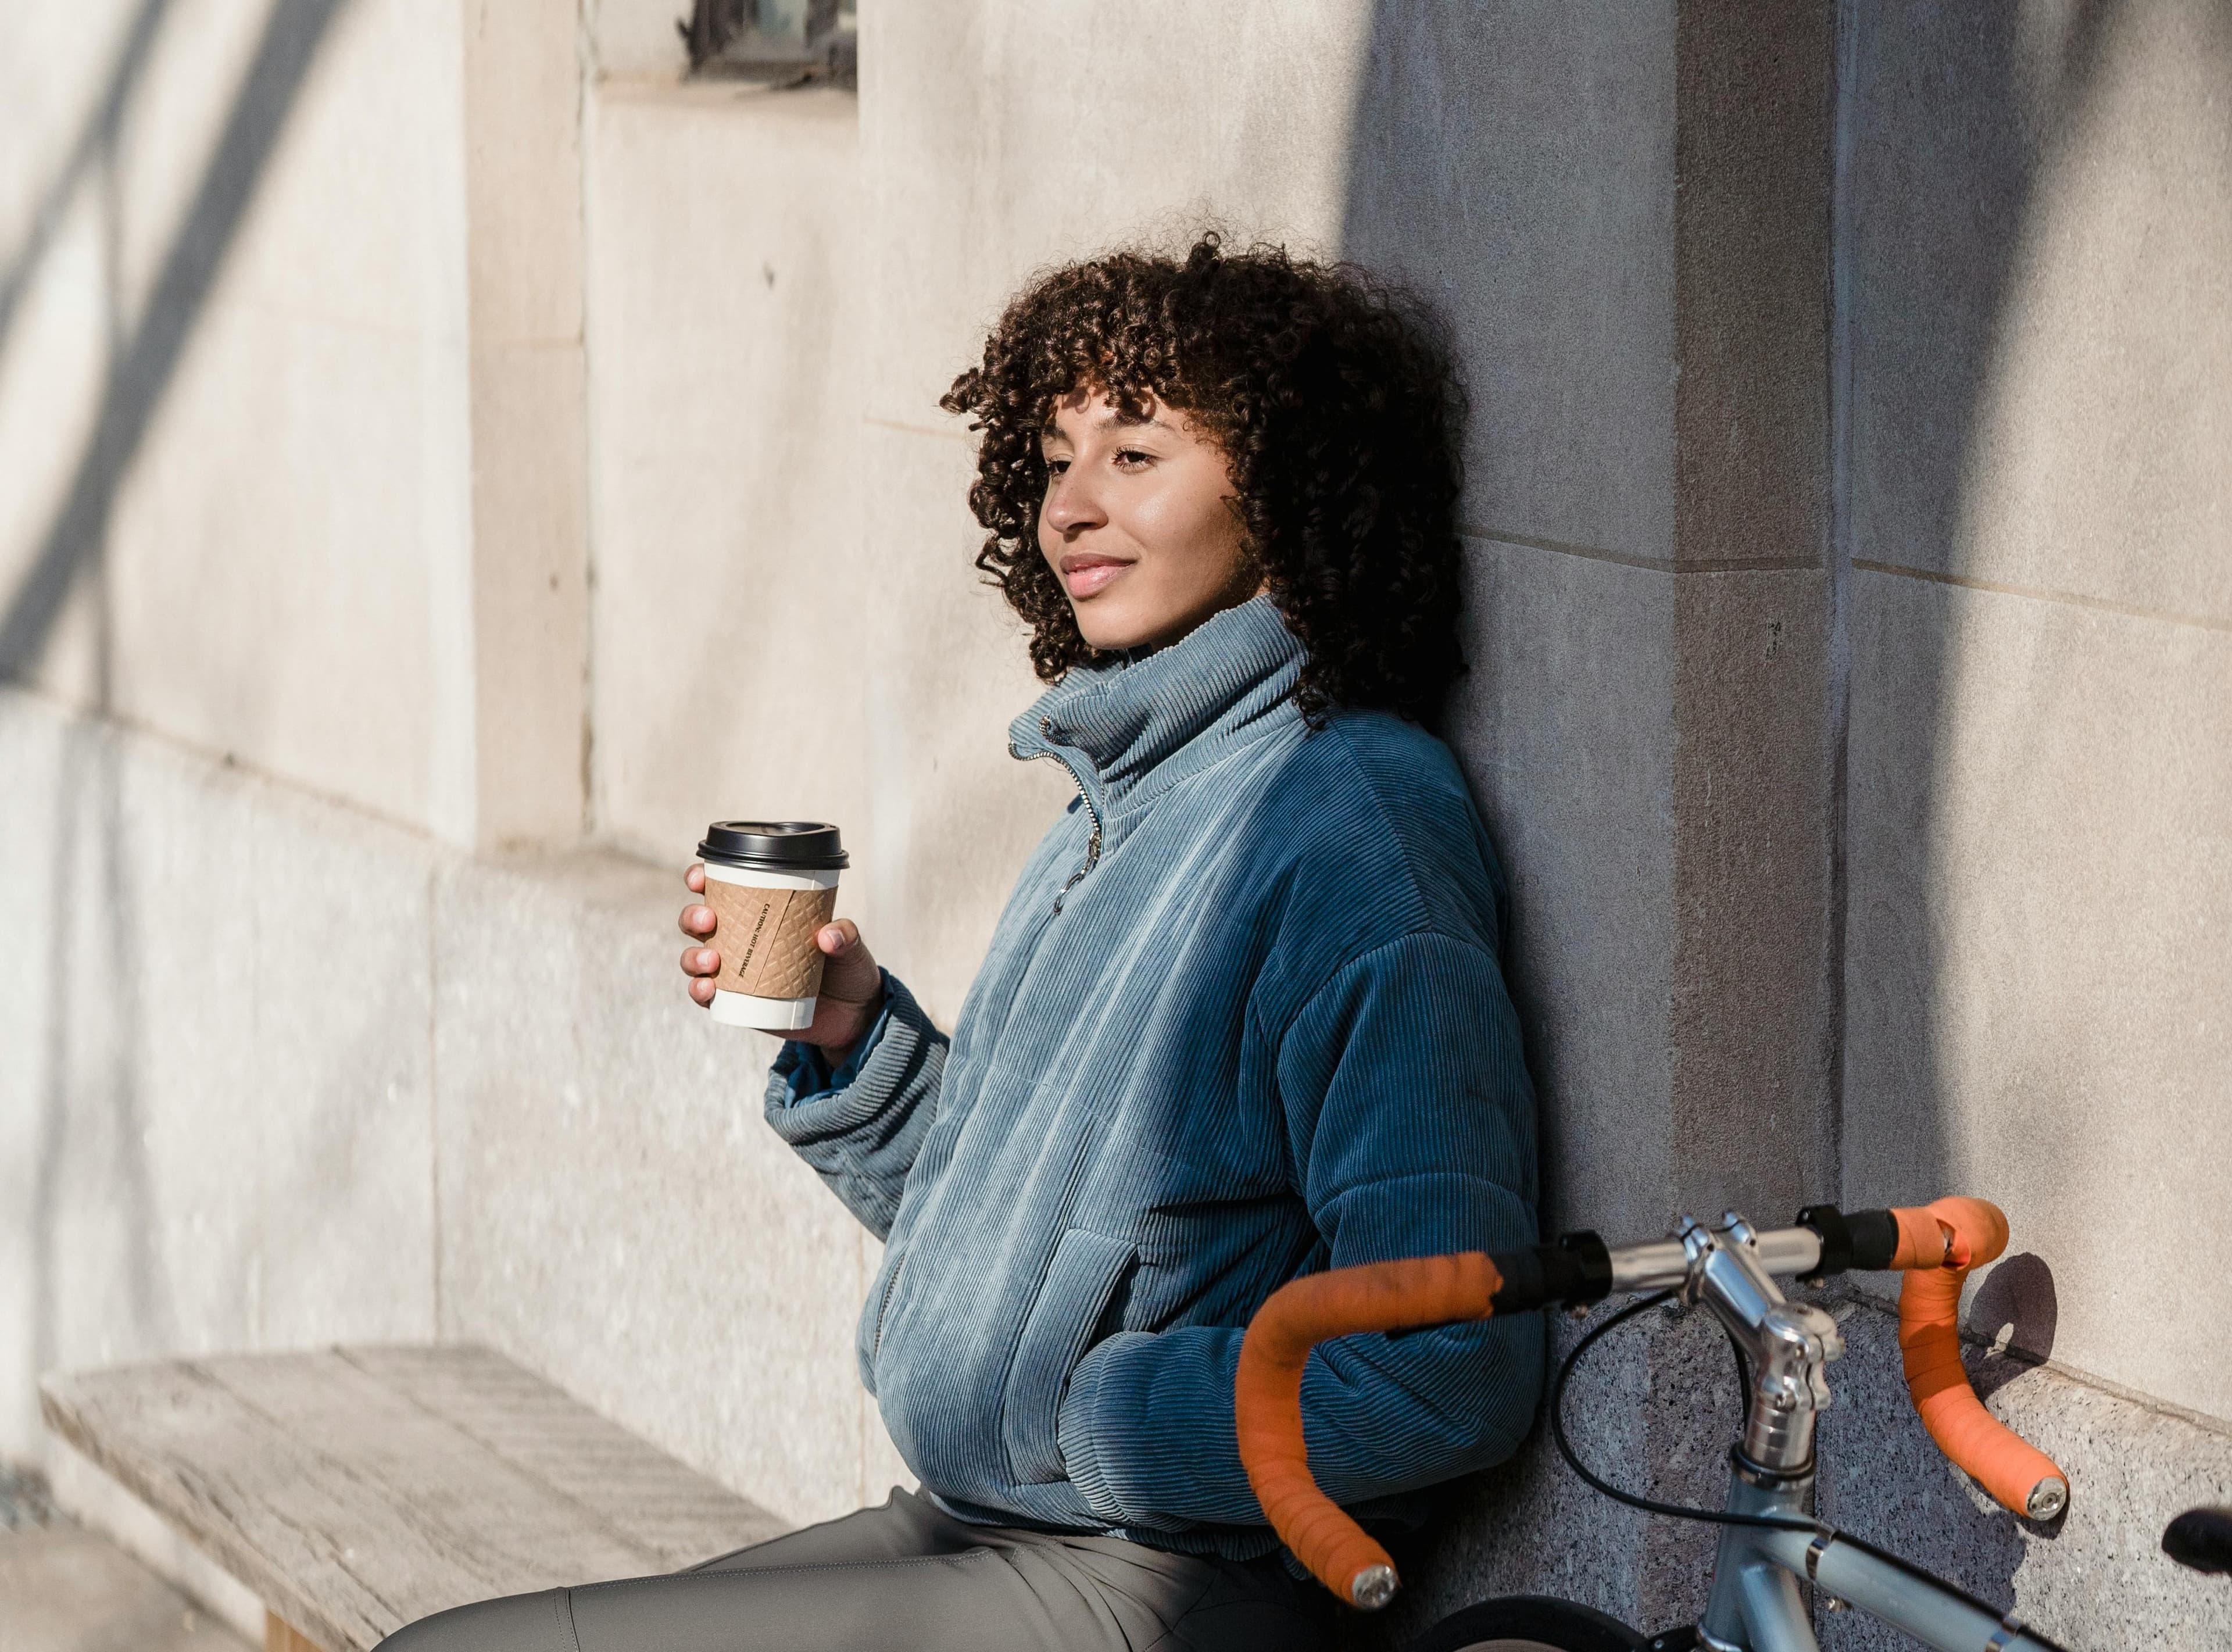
{"x":1373,"y":1588}
{"x":2048,"y":1498}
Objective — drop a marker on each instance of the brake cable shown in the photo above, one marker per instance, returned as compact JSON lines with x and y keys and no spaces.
{"x":1649,"y":1505}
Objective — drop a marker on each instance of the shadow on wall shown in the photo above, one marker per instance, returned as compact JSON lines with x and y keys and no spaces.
{"x":1954,"y":120}
{"x":1951,"y":116}
{"x":142,"y":362}
{"x":1508,"y":163}
{"x":91,"y":154}
{"x":89,"y":1085}
{"x":1517,"y":212}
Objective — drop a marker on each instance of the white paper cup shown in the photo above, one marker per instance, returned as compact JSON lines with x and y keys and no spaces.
{"x":744,"y":1009}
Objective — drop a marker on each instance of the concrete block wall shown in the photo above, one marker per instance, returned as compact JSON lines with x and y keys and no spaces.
{"x":218,"y":1096}
{"x":1623,"y":213}
{"x":726,"y":335}
{"x":1519,"y":168}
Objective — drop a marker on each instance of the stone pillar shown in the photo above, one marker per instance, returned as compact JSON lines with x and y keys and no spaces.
{"x":530,"y":547}
{"x":1751,"y":1018}
{"x":1626,"y":217}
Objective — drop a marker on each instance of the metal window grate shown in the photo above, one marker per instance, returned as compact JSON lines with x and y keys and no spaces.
{"x":773,"y":42}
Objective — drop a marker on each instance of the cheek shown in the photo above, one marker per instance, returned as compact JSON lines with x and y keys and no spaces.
{"x":1049,"y":540}
{"x":1195,"y":529}
{"x":1217,"y":546}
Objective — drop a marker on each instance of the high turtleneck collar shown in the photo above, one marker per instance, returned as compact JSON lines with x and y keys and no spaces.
{"x":1131,"y":730}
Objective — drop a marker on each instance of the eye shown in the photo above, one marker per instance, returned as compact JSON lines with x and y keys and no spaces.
{"x":1132,"y":458}
{"x":1056,"y":467}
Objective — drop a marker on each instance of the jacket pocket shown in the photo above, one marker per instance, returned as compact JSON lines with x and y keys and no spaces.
{"x":1081,"y":1282}
{"x":869,"y":1341}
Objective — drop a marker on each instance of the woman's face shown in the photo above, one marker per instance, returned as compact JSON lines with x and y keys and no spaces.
{"x":1140,"y":523}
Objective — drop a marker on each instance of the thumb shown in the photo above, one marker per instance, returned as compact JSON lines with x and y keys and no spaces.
{"x":851,"y":973}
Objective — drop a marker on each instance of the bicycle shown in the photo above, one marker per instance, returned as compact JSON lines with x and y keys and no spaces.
{"x":1770,"y":1540}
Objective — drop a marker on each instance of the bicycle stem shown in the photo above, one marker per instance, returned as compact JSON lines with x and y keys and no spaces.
{"x":1789,"y":1343}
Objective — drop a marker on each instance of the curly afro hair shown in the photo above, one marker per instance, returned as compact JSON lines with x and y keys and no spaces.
{"x":1337,"y":406}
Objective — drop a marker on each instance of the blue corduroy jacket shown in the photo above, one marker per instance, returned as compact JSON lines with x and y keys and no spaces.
{"x":1242,"y":1019}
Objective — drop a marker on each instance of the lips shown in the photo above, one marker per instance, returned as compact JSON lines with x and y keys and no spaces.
{"x":1085,"y":573}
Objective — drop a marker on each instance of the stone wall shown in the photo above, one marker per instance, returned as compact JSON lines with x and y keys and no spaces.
{"x":2037,"y":600}
{"x":282,"y":1074}
{"x":234,"y":404}
{"x":449,"y":459}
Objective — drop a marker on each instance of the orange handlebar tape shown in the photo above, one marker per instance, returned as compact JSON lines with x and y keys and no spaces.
{"x":1939,"y":1244}
{"x":1268,"y":1391}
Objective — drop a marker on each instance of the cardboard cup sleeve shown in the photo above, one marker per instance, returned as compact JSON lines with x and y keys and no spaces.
{"x":766,"y":938}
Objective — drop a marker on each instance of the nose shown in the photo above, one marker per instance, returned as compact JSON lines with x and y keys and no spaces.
{"x":1072,"y":504}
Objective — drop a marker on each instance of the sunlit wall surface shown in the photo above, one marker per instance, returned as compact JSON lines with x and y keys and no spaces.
{"x":446,"y":458}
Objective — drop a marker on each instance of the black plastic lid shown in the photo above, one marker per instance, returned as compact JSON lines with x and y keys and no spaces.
{"x":775,"y":845}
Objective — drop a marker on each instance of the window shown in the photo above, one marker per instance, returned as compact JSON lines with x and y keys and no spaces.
{"x":775,"y":43}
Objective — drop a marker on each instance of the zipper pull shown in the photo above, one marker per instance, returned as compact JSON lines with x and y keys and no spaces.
{"x":1093,"y":844}
{"x":1092,"y":860}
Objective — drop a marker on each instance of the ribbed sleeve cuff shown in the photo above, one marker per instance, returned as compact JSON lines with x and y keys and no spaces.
{"x":805,"y":1067}
{"x":808,"y":1102}
{"x":1078,"y":1432}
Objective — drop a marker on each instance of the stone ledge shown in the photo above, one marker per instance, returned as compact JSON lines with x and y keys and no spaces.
{"x":95,"y":1501}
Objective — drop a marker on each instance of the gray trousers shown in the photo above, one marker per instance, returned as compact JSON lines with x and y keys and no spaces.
{"x":910,"y":1577}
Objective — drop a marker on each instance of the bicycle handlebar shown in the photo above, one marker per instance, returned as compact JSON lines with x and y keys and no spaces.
{"x":1935,"y":1245}
{"x":1268,"y":1397}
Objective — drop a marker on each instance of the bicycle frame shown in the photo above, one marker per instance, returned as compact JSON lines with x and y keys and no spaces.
{"x":1757,"y":1606}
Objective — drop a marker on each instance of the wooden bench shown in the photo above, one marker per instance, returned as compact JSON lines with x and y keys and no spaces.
{"x":356,"y":1489}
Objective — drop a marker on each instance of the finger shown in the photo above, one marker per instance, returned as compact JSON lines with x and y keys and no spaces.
{"x":852,"y":980}
{"x":703,"y":991}
{"x":699,"y":920}
{"x":838,"y":937}
{"x":696,"y":878}
{"x":700,"y":961}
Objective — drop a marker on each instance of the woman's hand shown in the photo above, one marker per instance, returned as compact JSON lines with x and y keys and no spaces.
{"x":852,"y":985}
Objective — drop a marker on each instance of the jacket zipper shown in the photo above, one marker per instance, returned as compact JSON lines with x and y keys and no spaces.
{"x":1093,"y":843}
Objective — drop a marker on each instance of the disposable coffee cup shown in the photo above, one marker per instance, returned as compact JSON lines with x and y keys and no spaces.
{"x":772,"y":885}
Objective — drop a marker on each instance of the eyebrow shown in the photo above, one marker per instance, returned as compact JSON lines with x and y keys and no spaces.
{"x":1110,"y":421}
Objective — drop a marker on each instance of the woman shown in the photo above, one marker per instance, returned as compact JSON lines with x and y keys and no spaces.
{"x":1242,"y":1019}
